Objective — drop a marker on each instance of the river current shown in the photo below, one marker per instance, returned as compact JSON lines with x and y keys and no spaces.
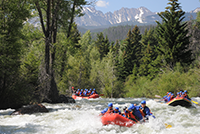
{"x":82,"y":117}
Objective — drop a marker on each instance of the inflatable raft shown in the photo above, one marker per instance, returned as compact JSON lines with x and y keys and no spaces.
{"x":88,"y":97}
{"x":180,"y":101}
{"x":116,"y":119}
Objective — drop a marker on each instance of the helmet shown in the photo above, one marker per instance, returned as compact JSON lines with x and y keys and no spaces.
{"x":72,"y":87}
{"x":78,"y":89}
{"x":178,"y":93}
{"x":94,"y":89}
{"x":143,"y":102}
{"x":81,"y":89}
{"x":90,"y":89}
{"x":110,"y":104}
{"x":185,"y":91}
{"x":116,"y":108}
{"x":131,"y":107}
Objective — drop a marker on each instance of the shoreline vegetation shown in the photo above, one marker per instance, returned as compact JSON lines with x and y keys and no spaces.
{"x":39,"y":64}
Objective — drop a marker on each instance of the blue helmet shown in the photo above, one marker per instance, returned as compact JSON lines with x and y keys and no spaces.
{"x":185,"y":91}
{"x":131,"y":107}
{"x":78,"y":89}
{"x":143,"y":102}
{"x":94,"y":89}
{"x":178,"y":93}
{"x":90,"y":89}
{"x":116,"y":108}
{"x":81,"y":89}
{"x":110,"y":104}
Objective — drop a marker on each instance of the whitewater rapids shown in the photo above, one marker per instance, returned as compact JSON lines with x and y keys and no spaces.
{"x":82,"y":117}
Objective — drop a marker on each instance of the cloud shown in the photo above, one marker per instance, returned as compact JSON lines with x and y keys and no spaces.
{"x":102,"y":3}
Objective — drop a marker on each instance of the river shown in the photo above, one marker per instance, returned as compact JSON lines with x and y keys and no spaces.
{"x":82,"y":118}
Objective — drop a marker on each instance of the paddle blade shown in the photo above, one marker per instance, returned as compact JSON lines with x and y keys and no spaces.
{"x":101,"y":94}
{"x":195,"y":102}
{"x":167,"y":125}
{"x":157,"y":96}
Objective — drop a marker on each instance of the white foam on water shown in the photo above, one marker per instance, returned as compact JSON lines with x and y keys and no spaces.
{"x":83,"y":118}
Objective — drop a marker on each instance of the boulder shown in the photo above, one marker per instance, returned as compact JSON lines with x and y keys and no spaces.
{"x":37,"y":108}
{"x":65,"y":99}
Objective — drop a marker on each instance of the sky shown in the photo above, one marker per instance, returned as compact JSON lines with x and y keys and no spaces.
{"x":153,"y":5}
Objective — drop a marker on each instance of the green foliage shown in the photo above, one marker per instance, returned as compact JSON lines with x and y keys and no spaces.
{"x":173,"y":36}
{"x":102,"y":45}
{"x":131,"y":50}
{"x":149,"y":67}
{"x":13,"y":13}
{"x":171,"y":81}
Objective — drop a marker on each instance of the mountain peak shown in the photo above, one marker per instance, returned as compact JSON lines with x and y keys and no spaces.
{"x":195,"y":10}
{"x":140,"y":15}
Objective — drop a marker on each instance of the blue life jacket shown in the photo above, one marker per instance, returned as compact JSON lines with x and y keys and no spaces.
{"x":92,"y":93}
{"x":104,"y":111}
{"x":137,"y":114}
{"x":117,"y":111}
{"x":165,"y":96}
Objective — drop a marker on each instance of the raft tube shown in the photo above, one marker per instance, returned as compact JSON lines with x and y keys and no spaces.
{"x":116,"y":119}
{"x":180,"y":101}
{"x":88,"y":97}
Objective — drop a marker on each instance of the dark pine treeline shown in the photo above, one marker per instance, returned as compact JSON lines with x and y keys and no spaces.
{"x":38,"y":64}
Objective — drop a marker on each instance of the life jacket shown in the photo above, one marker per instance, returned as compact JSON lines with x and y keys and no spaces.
{"x":145,"y":112}
{"x":178,"y":96}
{"x":131,"y":116}
{"x":141,"y":111}
{"x":136,"y":112}
{"x":119,"y":112}
{"x":110,"y":111}
{"x":81,"y":93}
{"x":88,"y":93}
{"x":172,"y":97}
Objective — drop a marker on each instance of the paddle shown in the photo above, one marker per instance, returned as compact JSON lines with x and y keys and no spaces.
{"x":167,"y":125}
{"x":195,"y":102}
{"x":101,"y":94}
{"x":158,"y":96}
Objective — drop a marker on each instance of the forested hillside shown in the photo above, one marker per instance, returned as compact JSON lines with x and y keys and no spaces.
{"x":120,"y":32}
{"x":38,"y":64}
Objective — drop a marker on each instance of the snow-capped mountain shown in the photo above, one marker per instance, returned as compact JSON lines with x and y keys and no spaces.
{"x":94,"y":17}
{"x":140,"y":15}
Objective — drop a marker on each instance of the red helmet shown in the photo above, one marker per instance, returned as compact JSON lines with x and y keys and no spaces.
{"x":72,"y":87}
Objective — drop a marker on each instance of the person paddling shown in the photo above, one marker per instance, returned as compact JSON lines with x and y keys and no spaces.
{"x":146,"y":110}
{"x":116,"y":110}
{"x":110,"y":108}
{"x":129,"y":113}
{"x":104,"y":111}
{"x":77,"y":92}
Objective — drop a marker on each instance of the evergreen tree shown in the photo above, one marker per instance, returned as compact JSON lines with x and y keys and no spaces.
{"x":131,"y":56}
{"x":102,"y":45}
{"x":147,"y":67}
{"x":13,"y":13}
{"x":172,"y":36}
